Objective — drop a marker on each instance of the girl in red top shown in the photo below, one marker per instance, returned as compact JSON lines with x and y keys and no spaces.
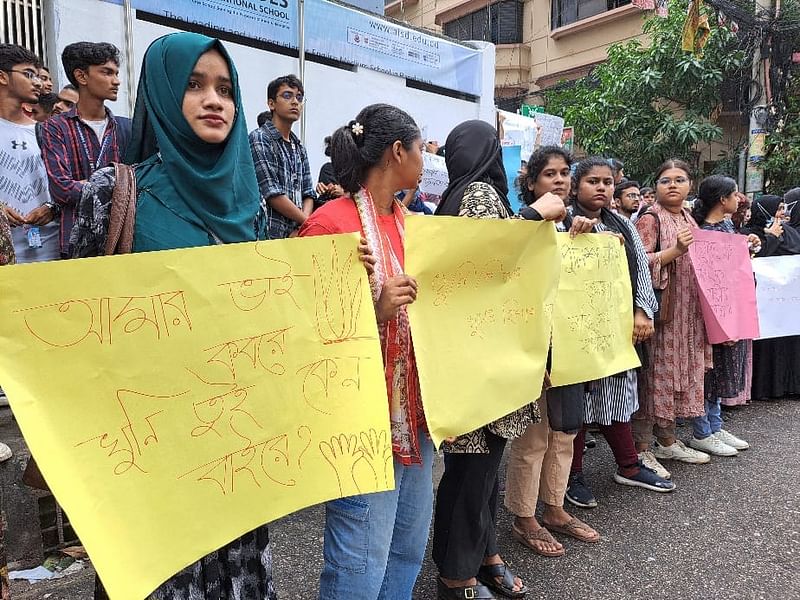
{"x":375,"y":543}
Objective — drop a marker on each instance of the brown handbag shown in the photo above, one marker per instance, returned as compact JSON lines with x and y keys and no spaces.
{"x":123,"y":211}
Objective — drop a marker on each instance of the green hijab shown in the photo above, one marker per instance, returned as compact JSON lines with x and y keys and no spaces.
{"x":212,"y":186}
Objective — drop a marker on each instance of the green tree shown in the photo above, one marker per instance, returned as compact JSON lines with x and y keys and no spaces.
{"x":649,"y":103}
{"x":782,"y":162}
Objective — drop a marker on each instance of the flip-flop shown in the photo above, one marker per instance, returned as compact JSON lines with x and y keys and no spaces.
{"x":573,"y":529}
{"x":527,"y":539}
{"x":488,"y":575}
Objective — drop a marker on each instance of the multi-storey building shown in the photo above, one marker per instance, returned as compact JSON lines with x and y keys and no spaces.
{"x":539,"y":42}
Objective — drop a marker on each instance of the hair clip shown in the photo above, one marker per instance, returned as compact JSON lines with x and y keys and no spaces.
{"x":357,"y":129}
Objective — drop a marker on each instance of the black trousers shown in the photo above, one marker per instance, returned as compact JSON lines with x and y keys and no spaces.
{"x":466,"y":509}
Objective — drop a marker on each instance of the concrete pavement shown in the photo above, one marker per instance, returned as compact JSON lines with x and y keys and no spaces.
{"x":729,"y":532}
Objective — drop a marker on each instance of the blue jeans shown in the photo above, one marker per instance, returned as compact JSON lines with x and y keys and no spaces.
{"x":375,"y":543}
{"x":709,"y":423}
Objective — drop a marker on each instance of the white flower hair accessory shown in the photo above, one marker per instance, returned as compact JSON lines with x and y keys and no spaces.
{"x":357,"y":129}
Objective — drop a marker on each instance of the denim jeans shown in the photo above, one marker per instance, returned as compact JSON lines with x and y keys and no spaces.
{"x":375,"y":543}
{"x":709,"y":423}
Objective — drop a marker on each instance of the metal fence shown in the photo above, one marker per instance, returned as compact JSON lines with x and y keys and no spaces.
{"x":21,"y":23}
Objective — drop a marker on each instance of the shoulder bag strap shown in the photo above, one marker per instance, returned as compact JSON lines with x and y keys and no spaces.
{"x":123,"y":211}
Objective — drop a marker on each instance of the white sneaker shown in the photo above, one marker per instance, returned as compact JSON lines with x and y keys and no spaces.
{"x":731,"y":440}
{"x":5,"y":452}
{"x":713,"y":445}
{"x":649,"y":460}
{"x":678,"y":451}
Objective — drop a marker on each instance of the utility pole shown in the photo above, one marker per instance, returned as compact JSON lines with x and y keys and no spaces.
{"x":754,"y":175}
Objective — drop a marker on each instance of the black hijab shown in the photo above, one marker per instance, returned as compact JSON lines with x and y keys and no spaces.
{"x":473,"y":154}
{"x":791,"y":199}
{"x":762,"y":211}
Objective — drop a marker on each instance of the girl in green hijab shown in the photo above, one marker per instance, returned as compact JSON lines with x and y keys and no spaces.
{"x":196,"y":186}
{"x":195,"y":180}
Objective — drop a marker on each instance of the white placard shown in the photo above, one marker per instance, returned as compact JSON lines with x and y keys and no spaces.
{"x":523,"y":131}
{"x":434,"y":174}
{"x":778,"y":295}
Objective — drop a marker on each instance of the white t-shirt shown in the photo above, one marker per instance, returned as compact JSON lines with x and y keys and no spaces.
{"x":99,"y":127}
{"x":24,"y":187}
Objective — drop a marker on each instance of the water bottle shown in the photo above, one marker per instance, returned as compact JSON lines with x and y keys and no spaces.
{"x":34,"y":238}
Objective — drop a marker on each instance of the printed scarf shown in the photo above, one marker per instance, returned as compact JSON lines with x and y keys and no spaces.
{"x":402,"y":380}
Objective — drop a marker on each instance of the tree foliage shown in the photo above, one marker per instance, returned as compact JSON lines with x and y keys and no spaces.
{"x":649,"y":103}
{"x":782,"y":163}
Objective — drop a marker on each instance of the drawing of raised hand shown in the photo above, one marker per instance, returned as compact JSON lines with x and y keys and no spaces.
{"x":337,"y":297}
{"x":342,"y":453}
{"x":377,"y":456}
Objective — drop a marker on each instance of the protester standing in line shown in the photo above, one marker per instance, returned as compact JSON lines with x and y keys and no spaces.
{"x":196,"y":186}
{"x":539,"y":460}
{"x":375,"y":543}
{"x":77,"y":143}
{"x":716,"y":200}
{"x":678,"y":354}
{"x":464,"y":544}
{"x":628,"y":199}
{"x":611,"y":401}
{"x":23,"y":178}
{"x":284,"y":175}
{"x":776,"y":361}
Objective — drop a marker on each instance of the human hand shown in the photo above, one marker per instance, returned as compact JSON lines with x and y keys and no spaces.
{"x":432,"y":146}
{"x":685,"y":239}
{"x":397,"y":292}
{"x":775,"y":229}
{"x":39,"y":216}
{"x":335,"y":190}
{"x":551,"y":207}
{"x":322,"y":188}
{"x":619,"y":236}
{"x":14,"y":218}
{"x":581,"y":224}
{"x":366,"y":256}
{"x":642,"y":326}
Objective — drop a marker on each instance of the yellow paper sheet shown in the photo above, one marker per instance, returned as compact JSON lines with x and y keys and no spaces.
{"x":481,"y":323}
{"x":176,"y":400}
{"x":593,"y":316}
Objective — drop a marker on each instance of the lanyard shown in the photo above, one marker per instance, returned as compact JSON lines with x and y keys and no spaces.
{"x":103,"y":146}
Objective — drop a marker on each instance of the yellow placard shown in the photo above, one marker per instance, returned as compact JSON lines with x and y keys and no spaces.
{"x":176,"y":400}
{"x":481,"y":323}
{"x":593,"y":316}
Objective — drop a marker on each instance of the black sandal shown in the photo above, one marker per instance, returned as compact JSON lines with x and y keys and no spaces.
{"x":478,"y":592}
{"x":488,"y":575}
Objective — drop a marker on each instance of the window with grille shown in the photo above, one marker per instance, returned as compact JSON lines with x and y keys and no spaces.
{"x":570,"y":11}
{"x":499,"y":23}
{"x":21,"y":23}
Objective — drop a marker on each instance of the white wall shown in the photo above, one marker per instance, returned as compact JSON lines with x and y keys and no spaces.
{"x":335,"y":96}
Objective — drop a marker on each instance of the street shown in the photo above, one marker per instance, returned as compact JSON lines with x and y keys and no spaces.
{"x":729,"y":531}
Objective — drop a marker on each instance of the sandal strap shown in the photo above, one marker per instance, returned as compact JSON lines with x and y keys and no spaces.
{"x":498,"y":570}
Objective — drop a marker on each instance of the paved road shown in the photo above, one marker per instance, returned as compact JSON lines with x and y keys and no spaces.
{"x":729,"y":532}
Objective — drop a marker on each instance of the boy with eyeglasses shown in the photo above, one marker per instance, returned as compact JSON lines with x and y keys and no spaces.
{"x":23,"y":178}
{"x":628,"y":199}
{"x":88,"y":137}
{"x":281,"y":161}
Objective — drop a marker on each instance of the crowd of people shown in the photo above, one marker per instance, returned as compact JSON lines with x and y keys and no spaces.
{"x":194,"y":176}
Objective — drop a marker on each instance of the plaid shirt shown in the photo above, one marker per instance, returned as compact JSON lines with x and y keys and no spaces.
{"x":71,"y":158}
{"x":281,"y":169}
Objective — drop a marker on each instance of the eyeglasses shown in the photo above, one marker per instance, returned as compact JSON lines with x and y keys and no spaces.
{"x":290,"y":95}
{"x":633,"y":196}
{"x":32,"y":75}
{"x":677,"y":180}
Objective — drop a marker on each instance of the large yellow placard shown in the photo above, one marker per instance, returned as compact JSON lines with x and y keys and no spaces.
{"x":593,"y":316}
{"x":176,"y":400}
{"x":482,"y":320}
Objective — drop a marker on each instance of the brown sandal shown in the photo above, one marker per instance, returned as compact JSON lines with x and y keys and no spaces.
{"x":575,"y":528}
{"x":528,"y":539}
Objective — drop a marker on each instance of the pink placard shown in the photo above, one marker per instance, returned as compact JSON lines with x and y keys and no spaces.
{"x":727,"y":287}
